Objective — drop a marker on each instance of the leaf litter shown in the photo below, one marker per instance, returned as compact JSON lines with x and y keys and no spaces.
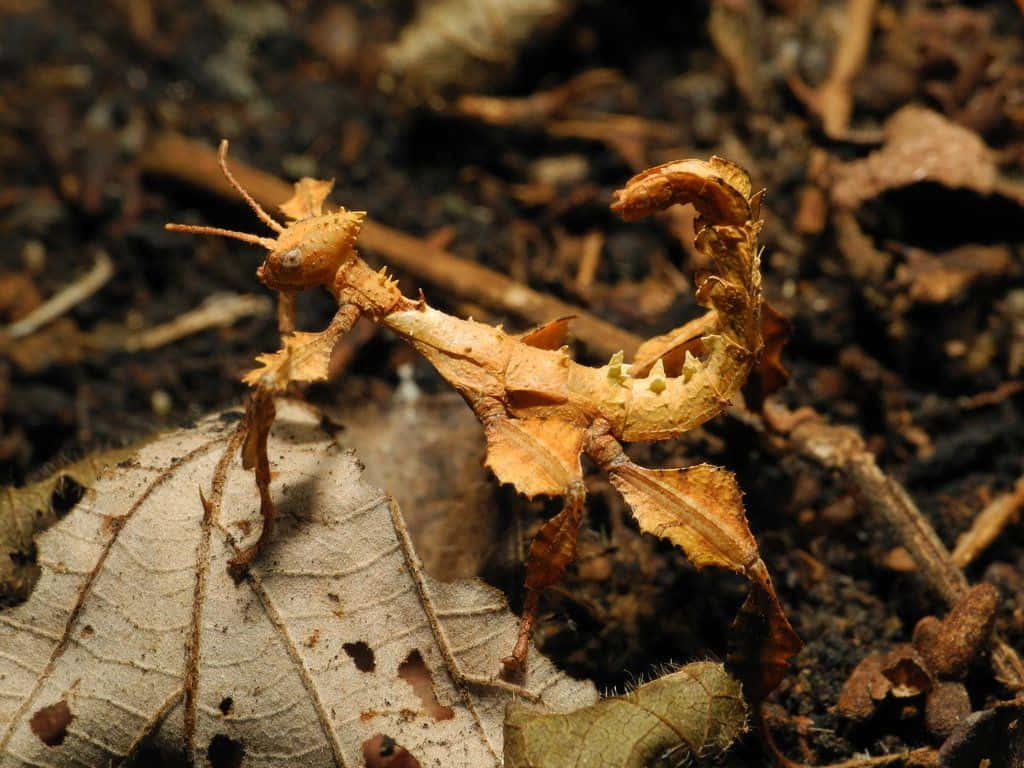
{"x":334,"y":637}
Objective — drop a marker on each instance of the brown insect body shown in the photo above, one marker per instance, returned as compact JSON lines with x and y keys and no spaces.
{"x":309,"y":252}
{"x":540,"y":409}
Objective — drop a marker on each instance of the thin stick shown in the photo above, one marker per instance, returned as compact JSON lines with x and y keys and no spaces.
{"x":843,"y":449}
{"x":191,"y":161}
{"x":988,"y":524}
{"x":66,"y":298}
{"x":219,"y":310}
{"x":222,"y":159}
{"x":833,"y":99}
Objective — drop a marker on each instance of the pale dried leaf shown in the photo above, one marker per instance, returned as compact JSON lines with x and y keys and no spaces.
{"x":334,"y":636}
{"x":461,"y":45}
{"x":696,"y":711}
{"x":446,"y":495}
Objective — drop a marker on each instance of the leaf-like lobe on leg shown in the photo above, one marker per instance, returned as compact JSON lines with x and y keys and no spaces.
{"x":304,"y":357}
{"x":699,"y":508}
{"x":540,"y":457}
{"x":761,"y":639}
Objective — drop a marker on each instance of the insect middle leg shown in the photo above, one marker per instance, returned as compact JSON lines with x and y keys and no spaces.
{"x":551,"y":552}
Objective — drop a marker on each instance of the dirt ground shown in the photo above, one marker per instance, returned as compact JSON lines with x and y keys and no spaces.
{"x":894,"y":245}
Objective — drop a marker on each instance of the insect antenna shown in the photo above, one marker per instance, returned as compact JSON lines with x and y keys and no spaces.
{"x":267,"y":242}
{"x":222,"y":158}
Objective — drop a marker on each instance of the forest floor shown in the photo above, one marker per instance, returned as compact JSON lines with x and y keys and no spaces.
{"x":893,"y":238}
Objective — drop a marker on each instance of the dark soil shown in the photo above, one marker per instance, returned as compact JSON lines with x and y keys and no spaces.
{"x":85,"y":86}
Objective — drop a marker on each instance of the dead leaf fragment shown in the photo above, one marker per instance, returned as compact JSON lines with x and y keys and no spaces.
{"x":461,"y":45}
{"x":920,"y":145}
{"x":26,"y":511}
{"x":696,"y":711}
{"x":864,"y":688}
{"x":900,"y":673}
{"x":136,"y":615}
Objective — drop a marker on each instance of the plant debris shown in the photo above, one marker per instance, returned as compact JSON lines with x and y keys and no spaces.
{"x":695,"y":711}
{"x":145,"y":551}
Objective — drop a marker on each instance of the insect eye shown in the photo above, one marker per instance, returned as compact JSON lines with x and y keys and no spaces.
{"x":291,"y":258}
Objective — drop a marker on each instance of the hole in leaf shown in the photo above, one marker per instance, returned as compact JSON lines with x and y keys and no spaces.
{"x":383,"y":751}
{"x":50,"y":723}
{"x":225,"y":752}
{"x":415,"y":672}
{"x":226,"y":706}
{"x":66,"y":493}
{"x":362,"y":655}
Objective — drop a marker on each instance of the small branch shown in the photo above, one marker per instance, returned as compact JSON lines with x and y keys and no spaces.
{"x":196,"y":163}
{"x":64,"y":300}
{"x":843,"y":449}
{"x":832,"y":101}
{"x":987,"y":525}
{"x":219,"y":310}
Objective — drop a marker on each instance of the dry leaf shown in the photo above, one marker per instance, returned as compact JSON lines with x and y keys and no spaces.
{"x":446,"y":495}
{"x":694,"y":712}
{"x":335,"y":636}
{"x":461,"y":45}
{"x":26,"y":511}
{"x":923,"y":148}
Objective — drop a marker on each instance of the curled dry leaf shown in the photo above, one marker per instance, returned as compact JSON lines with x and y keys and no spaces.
{"x":924,"y":148}
{"x":900,"y":673}
{"x":335,"y":635}
{"x":695,"y":712}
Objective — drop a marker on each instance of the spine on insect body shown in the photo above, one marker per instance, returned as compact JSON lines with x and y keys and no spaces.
{"x":679,"y":386}
{"x":485,"y":362}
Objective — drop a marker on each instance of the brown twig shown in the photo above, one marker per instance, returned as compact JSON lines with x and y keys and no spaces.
{"x":987,"y":525}
{"x":844,"y":450}
{"x":832,"y":101}
{"x":219,"y":310}
{"x":64,"y":300}
{"x":194,"y":162}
